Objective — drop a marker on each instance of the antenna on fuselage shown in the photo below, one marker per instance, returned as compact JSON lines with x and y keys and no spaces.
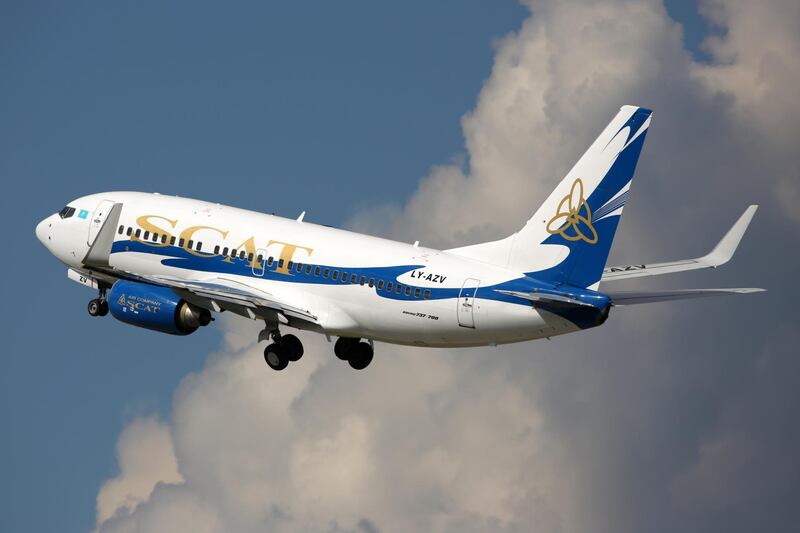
{"x":300,"y":218}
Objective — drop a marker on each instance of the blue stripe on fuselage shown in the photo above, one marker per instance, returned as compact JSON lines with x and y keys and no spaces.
{"x":177,"y":257}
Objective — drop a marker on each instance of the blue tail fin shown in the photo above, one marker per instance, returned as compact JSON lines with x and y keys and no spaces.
{"x":569,"y":237}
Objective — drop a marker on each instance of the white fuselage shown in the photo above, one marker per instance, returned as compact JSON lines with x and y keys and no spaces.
{"x":450,"y":299}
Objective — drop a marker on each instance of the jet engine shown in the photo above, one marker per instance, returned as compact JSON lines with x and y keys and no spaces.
{"x":156,"y":308}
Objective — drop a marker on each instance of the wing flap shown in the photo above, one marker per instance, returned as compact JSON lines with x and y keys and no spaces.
{"x":640,"y":297}
{"x":721,"y":254}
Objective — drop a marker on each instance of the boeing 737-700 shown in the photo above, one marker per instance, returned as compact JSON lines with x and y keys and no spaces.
{"x":168,"y":263}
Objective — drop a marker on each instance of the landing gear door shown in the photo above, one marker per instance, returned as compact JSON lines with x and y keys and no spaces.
{"x":466,"y":303}
{"x":259,"y":262}
{"x":98,"y":217}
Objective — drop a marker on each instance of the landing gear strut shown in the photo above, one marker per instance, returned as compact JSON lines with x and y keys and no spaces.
{"x":283,"y":350}
{"x":98,"y":306}
{"x":354,"y":351}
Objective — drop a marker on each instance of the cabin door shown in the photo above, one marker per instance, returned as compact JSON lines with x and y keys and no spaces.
{"x":466,"y":303}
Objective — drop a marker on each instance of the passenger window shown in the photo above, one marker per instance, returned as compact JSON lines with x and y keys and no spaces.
{"x":164,"y":238}
{"x":352,"y":278}
{"x":259,"y":259}
{"x":399,"y":289}
{"x":270,"y":261}
{"x":427,"y":294}
{"x":172,"y":241}
{"x":408,"y":290}
{"x":250,"y":257}
{"x":416,"y":292}
{"x":308,"y":269}
{"x":389,"y":286}
{"x":371,"y":282}
{"x":191,"y":244}
{"x":199,"y":246}
{"x":181,"y":242}
{"x":155,"y":237}
{"x":121,"y":228}
{"x":242,"y":254}
{"x":289,"y":265}
{"x":298,"y":267}
{"x":316,"y":271}
{"x":146,"y":235}
{"x":280,"y":263}
{"x":129,"y":231}
{"x":225,"y":251}
{"x":233,"y":254}
{"x":363,"y":280}
{"x":326,"y":273}
{"x":216,"y":250}
{"x":138,"y":233}
{"x":335,"y":275}
{"x":380,"y":285}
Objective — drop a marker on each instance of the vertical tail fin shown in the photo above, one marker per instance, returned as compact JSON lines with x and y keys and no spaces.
{"x":569,"y":237}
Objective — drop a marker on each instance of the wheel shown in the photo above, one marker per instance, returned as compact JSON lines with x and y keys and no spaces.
{"x":292,"y":347}
{"x":343,"y":347}
{"x":275,"y":357}
{"x":103,"y":308}
{"x":94,"y":307}
{"x":360,"y":356}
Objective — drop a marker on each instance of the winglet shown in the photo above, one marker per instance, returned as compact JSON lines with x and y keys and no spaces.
{"x":720,"y":255}
{"x":723,"y":251}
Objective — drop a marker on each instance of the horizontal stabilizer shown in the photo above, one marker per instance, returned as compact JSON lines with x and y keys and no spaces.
{"x":636,"y":297}
{"x":720,"y":255}
{"x":545,"y":297}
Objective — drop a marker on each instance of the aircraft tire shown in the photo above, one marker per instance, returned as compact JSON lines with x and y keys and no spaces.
{"x":292,"y":347}
{"x":344,"y":346}
{"x":275,"y":357}
{"x":103,"y":308}
{"x":94,"y":307}
{"x":360,"y":356}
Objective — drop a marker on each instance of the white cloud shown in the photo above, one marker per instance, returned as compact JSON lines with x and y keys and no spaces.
{"x":146,"y":458}
{"x":583,"y":433}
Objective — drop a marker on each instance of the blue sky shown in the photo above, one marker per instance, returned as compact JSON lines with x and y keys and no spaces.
{"x":279,"y":107}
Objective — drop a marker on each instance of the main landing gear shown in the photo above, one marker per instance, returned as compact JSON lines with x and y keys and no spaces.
{"x":354,"y":351}
{"x":283,"y":350}
{"x":98,"y":306}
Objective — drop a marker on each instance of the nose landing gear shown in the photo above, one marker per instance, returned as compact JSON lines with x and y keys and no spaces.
{"x":98,"y":306}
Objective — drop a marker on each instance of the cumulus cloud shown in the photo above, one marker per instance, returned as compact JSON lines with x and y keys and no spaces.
{"x":583,"y":433}
{"x":146,"y":458}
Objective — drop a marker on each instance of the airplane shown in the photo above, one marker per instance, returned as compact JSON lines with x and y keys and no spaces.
{"x":168,"y":263}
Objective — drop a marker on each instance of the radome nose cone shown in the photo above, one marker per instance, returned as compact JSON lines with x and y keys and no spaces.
{"x":42,"y":231}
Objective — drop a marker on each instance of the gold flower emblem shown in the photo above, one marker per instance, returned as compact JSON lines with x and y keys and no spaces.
{"x":573,"y":219}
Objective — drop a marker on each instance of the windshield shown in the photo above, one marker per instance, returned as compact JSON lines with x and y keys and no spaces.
{"x":66,"y":212}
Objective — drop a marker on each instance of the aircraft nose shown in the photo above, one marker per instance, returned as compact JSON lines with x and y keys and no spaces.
{"x":43,"y":231}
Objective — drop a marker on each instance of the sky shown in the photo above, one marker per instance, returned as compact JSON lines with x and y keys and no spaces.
{"x":445,"y":122}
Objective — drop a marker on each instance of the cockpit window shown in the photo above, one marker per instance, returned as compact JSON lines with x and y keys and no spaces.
{"x":66,"y":212}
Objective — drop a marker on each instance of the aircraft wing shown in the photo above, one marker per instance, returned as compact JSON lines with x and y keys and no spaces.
{"x":720,"y":255}
{"x":636,"y":297}
{"x":220,"y":293}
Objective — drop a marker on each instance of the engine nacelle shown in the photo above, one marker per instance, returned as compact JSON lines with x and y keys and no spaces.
{"x":154,"y":307}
